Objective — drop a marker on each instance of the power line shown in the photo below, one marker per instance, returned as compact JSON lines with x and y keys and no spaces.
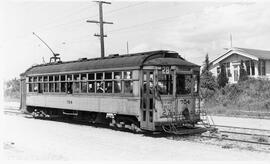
{"x":125,"y":7}
{"x":141,"y":24}
{"x":51,"y":25}
{"x":127,"y":28}
{"x":81,"y":19}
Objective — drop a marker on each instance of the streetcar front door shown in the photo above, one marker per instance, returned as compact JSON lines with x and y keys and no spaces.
{"x":147,"y":100}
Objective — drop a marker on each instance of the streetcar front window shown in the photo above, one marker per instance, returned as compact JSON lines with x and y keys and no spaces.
{"x":165,"y":84}
{"x":183,"y":84}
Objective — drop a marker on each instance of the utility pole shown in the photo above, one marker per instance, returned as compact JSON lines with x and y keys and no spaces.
{"x":101,"y":22}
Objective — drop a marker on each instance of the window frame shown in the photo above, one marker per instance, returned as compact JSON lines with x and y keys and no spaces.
{"x":58,"y":83}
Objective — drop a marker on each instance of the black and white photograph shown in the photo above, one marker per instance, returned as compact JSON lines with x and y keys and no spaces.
{"x":135,"y":81}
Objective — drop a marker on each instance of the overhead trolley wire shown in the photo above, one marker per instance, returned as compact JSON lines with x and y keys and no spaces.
{"x":51,"y":25}
{"x":128,"y":27}
{"x":125,"y":7}
{"x":141,"y":24}
{"x":83,"y":19}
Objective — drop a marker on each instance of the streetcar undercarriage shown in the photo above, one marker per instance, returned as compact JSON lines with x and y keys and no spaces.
{"x":183,"y":127}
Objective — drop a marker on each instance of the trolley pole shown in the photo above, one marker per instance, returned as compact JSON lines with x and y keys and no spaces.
{"x":101,"y":28}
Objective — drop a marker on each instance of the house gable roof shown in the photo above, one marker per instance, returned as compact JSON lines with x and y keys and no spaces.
{"x":249,"y":53}
{"x":261,"y":54}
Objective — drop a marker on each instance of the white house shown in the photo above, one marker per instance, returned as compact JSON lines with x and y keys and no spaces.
{"x":256,"y":63}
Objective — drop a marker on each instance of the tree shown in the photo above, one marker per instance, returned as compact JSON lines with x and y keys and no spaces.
{"x":206,"y":64}
{"x":12,"y":88}
{"x":208,"y":84}
{"x":222,"y":78}
{"x":243,"y":73}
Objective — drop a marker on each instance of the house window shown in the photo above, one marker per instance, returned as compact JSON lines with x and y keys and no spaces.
{"x":248,"y":67}
{"x":228,"y":70}
{"x":261,"y":67}
{"x":218,"y":70}
{"x":252,"y":68}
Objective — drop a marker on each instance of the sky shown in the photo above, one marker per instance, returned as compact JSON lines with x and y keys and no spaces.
{"x":191,"y":28}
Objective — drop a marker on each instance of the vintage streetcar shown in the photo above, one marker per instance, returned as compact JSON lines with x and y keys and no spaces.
{"x":148,"y":91}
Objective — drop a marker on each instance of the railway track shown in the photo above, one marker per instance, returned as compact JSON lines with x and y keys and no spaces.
{"x":222,"y":135}
{"x":244,"y":128}
{"x":241,"y":134}
{"x":237,"y":140}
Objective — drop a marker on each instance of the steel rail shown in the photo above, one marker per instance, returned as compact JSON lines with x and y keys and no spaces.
{"x":238,"y":140}
{"x":237,"y":127}
{"x":263,"y":135}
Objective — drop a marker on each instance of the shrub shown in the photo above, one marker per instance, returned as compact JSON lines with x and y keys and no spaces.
{"x":251,"y":95}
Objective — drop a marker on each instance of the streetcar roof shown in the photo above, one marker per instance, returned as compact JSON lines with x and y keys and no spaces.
{"x":136,"y":60}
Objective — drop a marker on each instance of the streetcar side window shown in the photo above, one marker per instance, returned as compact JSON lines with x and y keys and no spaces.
{"x":51,"y":87}
{"x":108,"y":75}
{"x":91,"y":76}
{"x":100,"y":87}
{"x":30,"y":87}
{"x":117,"y":76}
{"x":127,"y":75}
{"x":69,"y":87}
{"x":108,"y":86}
{"x":128,"y":83}
{"x":108,"y":82}
{"x":101,"y":82}
{"x":91,"y":87}
{"x":63,"y":83}
{"x":57,"y":87}
{"x":40,"y":87}
{"x":83,"y":83}
{"x":35,"y":84}
{"x":57,"y":84}
{"x":69,"y":84}
{"x":76,"y":88}
{"x":45,"y":84}
{"x":40,"y":84}
{"x":128,"y":86}
{"x":51,"y":84}
{"x":99,"y":76}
